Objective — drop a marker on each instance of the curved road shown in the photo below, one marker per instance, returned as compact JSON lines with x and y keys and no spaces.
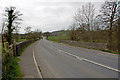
{"x":58,"y":60}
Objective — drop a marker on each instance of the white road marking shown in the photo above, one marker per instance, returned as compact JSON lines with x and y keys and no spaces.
{"x":40,"y":76}
{"x":84,"y":59}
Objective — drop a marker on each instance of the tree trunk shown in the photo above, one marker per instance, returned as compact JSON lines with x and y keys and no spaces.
{"x":9,"y":37}
{"x":110,"y":36}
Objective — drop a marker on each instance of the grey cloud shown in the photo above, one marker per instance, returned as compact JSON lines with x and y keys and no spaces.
{"x":45,"y":15}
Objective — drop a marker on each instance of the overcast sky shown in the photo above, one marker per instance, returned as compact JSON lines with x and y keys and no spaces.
{"x":47,"y":15}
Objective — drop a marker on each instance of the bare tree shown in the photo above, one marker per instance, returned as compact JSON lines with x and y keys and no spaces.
{"x":27,"y":30}
{"x":108,"y":16}
{"x":85,"y":15}
{"x":12,"y":17}
{"x":16,"y":32}
{"x":73,"y":33}
{"x":37,"y":34}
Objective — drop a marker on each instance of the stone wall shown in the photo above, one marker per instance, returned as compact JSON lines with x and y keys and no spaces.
{"x":87,"y":44}
{"x":21,"y":45}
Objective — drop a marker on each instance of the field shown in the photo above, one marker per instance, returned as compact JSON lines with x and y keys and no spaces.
{"x":21,"y":40}
{"x":57,"y":38}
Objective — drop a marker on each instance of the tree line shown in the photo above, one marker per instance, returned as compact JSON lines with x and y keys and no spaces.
{"x":104,"y":27}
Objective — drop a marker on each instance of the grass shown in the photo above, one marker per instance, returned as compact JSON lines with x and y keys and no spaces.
{"x":95,"y":49}
{"x":11,"y":68}
{"x":56,"y":39}
{"x":110,"y":51}
{"x":15,"y":68}
{"x":20,"y":40}
{"x":39,"y":68}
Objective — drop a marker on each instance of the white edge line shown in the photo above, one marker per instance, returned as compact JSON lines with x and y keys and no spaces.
{"x":36,"y":65}
{"x":102,"y":65}
{"x":81,"y":58}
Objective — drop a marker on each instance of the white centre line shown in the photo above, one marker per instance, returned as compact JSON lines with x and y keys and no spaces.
{"x":84,"y":59}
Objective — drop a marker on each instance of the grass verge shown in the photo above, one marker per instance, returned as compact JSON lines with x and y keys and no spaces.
{"x":110,"y":51}
{"x":11,"y":68}
{"x":55,"y":39}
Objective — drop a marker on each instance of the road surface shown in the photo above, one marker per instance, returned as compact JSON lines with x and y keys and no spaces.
{"x":56,"y":60}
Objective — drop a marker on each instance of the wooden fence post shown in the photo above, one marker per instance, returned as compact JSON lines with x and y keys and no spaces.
{"x":14,"y":48}
{"x":7,"y":45}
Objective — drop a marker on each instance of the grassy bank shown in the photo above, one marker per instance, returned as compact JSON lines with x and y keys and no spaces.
{"x":11,"y":68}
{"x":57,"y":38}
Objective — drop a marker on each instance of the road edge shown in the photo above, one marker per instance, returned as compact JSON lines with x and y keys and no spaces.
{"x":39,"y":73}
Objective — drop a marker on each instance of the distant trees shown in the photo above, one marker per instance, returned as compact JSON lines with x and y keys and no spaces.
{"x":47,"y":34}
{"x":28,"y":32}
{"x":73,"y":33}
{"x":16,"y":36}
{"x":12,"y":18}
{"x":32,"y":34}
{"x":37,"y":34}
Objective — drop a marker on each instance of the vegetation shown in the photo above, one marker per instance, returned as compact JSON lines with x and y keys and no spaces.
{"x":59,"y":35}
{"x":101,"y":28}
{"x":12,"y":18}
{"x":32,"y":34}
{"x":89,"y":27}
{"x":21,"y":40}
{"x":10,"y":67}
{"x":57,"y":38}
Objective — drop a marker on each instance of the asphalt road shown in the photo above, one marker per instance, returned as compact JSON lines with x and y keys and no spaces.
{"x":64,"y":61}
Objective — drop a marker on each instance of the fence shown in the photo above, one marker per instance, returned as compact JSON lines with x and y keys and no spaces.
{"x":17,"y":47}
{"x":87,"y":44}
